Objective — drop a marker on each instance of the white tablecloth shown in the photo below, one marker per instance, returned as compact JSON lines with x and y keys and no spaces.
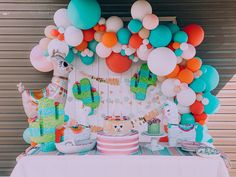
{"x":119,"y":166}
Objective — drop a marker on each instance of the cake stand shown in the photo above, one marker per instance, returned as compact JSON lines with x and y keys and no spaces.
{"x":154,"y":145}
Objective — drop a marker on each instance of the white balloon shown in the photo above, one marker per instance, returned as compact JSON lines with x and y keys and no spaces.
{"x":61,"y":19}
{"x":140,"y":9}
{"x":189,"y":53}
{"x":73,"y":36}
{"x":59,"y":46}
{"x":183,"y":109}
{"x":143,"y":54}
{"x":117,"y":48}
{"x":103,"y":51}
{"x":168,"y":87}
{"x":162,"y":61}
{"x":186,"y":97}
{"x":113,"y":24}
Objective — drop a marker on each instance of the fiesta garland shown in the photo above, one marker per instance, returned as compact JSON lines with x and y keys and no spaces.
{"x":169,"y":51}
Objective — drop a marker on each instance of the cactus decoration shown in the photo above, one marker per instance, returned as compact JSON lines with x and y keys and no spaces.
{"x":140,"y":82}
{"x":43,"y":130}
{"x":84,"y":91}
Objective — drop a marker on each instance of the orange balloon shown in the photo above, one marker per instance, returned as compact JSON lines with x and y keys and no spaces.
{"x":54,"y":32}
{"x":109,"y":39}
{"x":60,"y":37}
{"x":176,"y":45}
{"x":186,"y":76}
{"x":174,"y":73}
{"x":88,"y":34}
{"x":135,"y":41}
{"x":194,"y":64}
{"x":82,"y":46}
{"x":118,"y":63}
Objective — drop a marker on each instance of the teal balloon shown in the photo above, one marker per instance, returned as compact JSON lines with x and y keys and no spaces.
{"x":123,"y":36}
{"x":87,"y":60}
{"x":180,"y":37}
{"x":70,"y":56}
{"x":213,"y":105}
{"x":122,"y":52}
{"x":26,"y":136}
{"x":178,"y":52}
{"x":66,"y":118}
{"x":173,"y":27}
{"x":210,"y":76}
{"x":135,"y":25}
{"x":92,"y":45}
{"x":160,"y":36}
{"x":198,"y":85}
{"x":84,"y":14}
{"x":187,"y":119}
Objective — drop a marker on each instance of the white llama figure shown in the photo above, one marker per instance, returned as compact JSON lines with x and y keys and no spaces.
{"x":170,"y":112}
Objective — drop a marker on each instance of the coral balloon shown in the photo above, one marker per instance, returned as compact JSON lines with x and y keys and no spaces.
{"x":118,"y":63}
{"x":47,"y":31}
{"x":61,"y":19}
{"x":195,"y":34}
{"x":109,"y":39}
{"x":174,"y":73}
{"x":135,"y":41}
{"x":140,"y":9}
{"x":197,"y":108}
{"x":194,"y":64}
{"x":39,"y":61}
{"x":103,"y":51}
{"x":82,"y":46}
{"x":114,"y":24}
{"x":186,"y":76}
{"x":200,"y":118}
{"x":150,"y":21}
{"x":88,"y":34}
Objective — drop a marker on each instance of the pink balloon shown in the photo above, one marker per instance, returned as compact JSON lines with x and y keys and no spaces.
{"x":39,"y":61}
{"x":150,"y":21}
{"x":189,"y":53}
{"x":43,"y":43}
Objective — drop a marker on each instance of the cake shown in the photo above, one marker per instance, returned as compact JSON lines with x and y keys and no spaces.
{"x":118,"y":145}
{"x":117,"y":125}
{"x":154,"y":127}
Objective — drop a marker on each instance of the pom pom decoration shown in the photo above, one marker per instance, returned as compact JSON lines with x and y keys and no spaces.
{"x":150,"y":21}
{"x":84,"y":14}
{"x":123,"y":36}
{"x":195,"y":34}
{"x":61,"y":19}
{"x":39,"y":61}
{"x":164,"y":36}
{"x":118,"y":63}
{"x":73,"y":36}
{"x":109,"y":39}
{"x":114,"y":24}
{"x":162,"y":61}
{"x":140,"y":9}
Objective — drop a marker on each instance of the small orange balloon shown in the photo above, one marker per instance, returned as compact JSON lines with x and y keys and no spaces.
{"x":60,"y":37}
{"x":54,"y":32}
{"x":174,"y":73}
{"x":88,"y":35}
{"x":135,"y":41}
{"x":194,"y":64}
{"x":102,"y":28}
{"x":109,"y":39}
{"x":82,"y":46}
{"x":176,"y":45}
{"x":96,"y":27}
{"x":186,"y":76}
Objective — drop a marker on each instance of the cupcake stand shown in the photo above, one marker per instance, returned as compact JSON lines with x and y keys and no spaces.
{"x":154,"y":145}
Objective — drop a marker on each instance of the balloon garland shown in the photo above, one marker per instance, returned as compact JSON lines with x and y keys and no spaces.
{"x":170,"y":52}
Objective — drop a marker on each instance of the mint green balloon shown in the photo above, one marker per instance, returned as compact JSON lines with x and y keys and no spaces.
{"x":198,"y":85}
{"x":210,"y":76}
{"x":84,"y":14}
{"x":173,"y":27}
{"x":135,"y":25}
{"x":214,"y":104}
{"x":70,"y":56}
{"x":123,"y":36}
{"x":187,"y":119}
{"x":160,"y":36}
{"x":180,"y":37}
{"x":87,"y":60}
{"x":92,"y":45}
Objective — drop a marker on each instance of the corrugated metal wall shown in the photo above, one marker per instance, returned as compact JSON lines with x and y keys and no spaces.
{"x":21,"y":26}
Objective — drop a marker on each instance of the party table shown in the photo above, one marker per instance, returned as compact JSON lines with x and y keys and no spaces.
{"x":169,"y":162}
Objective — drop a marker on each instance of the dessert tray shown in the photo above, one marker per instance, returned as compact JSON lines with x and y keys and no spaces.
{"x":208,"y":152}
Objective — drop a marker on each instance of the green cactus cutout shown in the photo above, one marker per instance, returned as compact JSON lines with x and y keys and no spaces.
{"x":42,"y":131}
{"x":140,"y":82}
{"x":89,"y":96}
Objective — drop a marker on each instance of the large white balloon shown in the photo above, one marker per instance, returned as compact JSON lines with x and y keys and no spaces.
{"x":103,"y":51}
{"x":186,"y":97}
{"x":73,"y":36}
{"x":168,"y":87}
{"x":58,"y":45}
{"x":189,"y":53}
{"x":61,"y":19}
{"x":140,"y":9}
{"x":162,"y":61}
{"x":114,"y":23}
